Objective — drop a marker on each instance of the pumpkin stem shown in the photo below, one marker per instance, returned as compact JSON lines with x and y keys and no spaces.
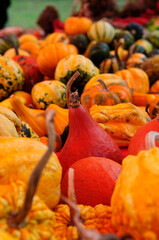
{"x":117,"y":45}
{"x":16,"y":218}
{"x":68,"y":87}
{"x":103,"y":84}
{"x":150,"y":139}
{"x":13,"y":44}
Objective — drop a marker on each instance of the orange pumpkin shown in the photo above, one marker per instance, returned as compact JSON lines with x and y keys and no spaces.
{"x":135,"y":78}
{"x":33,"y":48}
{"x":49,"y":56}
{"x":105,"y":89}
{"x":56,"y":37}
{"x":76,"y":25}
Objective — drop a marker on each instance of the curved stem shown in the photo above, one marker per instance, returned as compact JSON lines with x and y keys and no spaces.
{"x":103,"y":84}
{"x":68,"y":87}
{"x":150,"y":139}
{"x":16,"y":219}
{"x":13,"y":44}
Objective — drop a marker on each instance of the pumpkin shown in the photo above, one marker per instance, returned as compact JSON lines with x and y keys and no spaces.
{"x":135,"y":78}
{"x":151,"y":67}
{"x":6,"y":42}
{"x":77,"y":25}
{"x":153,"y":37}
{"x":56,"y":37}
{"x":97,"y":218}
{"x":109,"y":65}
{"x":47,"y":92}
{"x":61,"y":119}
{"x":135,"y":200}
{"x":126,"y":36}
{"x":96,"y":173}
{"x":11,"y":52}
{"x":120,"y":121}
{"x":32,"y":74}
{"x":33,"y":48}
{"x":27,"y":38}
{"x":12,"y":77}
{"x":80,"y":41}
{"x":135,"y":60}
{"x":67,"y":67}
{"x":92,"y":140}
{"x":19,"y":153}
{"x":101,"y":31}
{"x":19,"y":213}
{"x":135,"y":29}
{"x":99,"y":52}
{"x":144,"y":43}
{"x":105,"y":89}
{"x":34,"y":117}
{"x":49,"y":56}
{"x":138,"y":140}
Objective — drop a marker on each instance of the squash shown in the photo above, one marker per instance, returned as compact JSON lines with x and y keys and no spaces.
{"x":10,"y":53}
{"x":105,"y":89}
{"x":135,"y":201}
{"x":27,"y":131}
{"x":135,"y":29}
{"x":80,"y":41}
{"x":19,"y":153}
{"x":27,"y":37}
{"x":135,"y":60}
{"x":61,"y":119}
{"x":47,"y":92}
{"x":12,"y":77}
{"x":77,"y":25}
{"x":151,"y":67}
{"x":126,"y":36}
{"x":135,"y":78}
{"x":33,"y":48}
{"x":137,"y":48}
{"x":153,"y":37}
{"x":144,"y":43}
{"x":120,"y":121}
{"x":56,"y":37}
{"x":7,"y":41}
{"x":101,"y":31}
{"x":109,"y":65}
{"x":99,"y":52}
{"x":49,"y":56}
{"x":67,"y":66}
{"x":155,"y":87}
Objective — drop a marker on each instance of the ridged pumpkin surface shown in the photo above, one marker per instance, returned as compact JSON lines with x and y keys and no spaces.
{"x":135,"y":201}
{"x":98,"y":218}
{"x":50,"y":55}
{"x":47,"y":92}
{"x":18,"y":157}
{"x":67,"y":66}
{"x":39,"y":222}
{"x":101,"y":31}
{"x":12,"y":77}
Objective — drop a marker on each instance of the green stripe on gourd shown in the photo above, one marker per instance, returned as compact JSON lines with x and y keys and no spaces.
{"x":101,"y":31}
{"x":153,"y":37}
{"x":69,"y":65}
{"x":11,"y":77}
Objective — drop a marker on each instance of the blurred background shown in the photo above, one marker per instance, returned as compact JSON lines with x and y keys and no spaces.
{"x":25,"y":13}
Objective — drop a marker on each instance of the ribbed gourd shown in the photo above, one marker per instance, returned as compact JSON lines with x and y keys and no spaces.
{"x":69,"y":65}
{"x":12,"y":77}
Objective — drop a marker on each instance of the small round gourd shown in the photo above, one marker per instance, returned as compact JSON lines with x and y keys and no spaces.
{"x":12,"y":77}
{"x":99,"y":52}
{"x":46,"y":92}
{"x":101,"y":31}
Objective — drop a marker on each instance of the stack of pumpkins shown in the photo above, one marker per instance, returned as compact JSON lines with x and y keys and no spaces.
{"x":99,"y":80}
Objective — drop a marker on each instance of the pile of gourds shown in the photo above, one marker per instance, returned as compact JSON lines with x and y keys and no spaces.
{"x":102,"y":85}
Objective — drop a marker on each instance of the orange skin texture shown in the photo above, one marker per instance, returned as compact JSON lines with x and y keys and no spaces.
{"x":135,"y":200}
{"x":94,"y":180}
{"x":49,"y":56}
{"x":18,"y":157}
{"x":77,"y":25}
{"x":135,"y":78}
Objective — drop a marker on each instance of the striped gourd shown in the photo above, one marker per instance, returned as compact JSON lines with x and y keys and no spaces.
{"x":153,"y":37}
{"x":144,"y":43}
{"x":12,"y":77}
{"x":70,"y":64}
{"x":101,"y":31}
